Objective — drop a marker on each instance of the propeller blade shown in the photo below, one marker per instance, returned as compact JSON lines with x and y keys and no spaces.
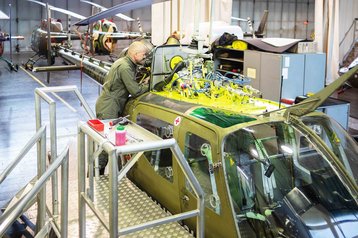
{"x":38,"y":2}
{"x":120,"y":15}
{"x":72,"y":14}
{"x":75,"y":15}
{"x":124,"y":7}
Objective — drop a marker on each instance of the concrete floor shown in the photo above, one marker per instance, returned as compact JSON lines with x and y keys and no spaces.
{"x":17,"y":121}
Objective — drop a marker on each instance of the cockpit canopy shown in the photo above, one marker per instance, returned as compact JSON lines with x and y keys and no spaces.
{"x":280,"y":173}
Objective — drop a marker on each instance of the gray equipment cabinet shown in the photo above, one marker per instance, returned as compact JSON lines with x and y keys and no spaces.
{"x":287,"y":75}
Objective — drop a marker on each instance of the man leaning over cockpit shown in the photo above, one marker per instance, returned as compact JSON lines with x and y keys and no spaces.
{"x":119,"y":84}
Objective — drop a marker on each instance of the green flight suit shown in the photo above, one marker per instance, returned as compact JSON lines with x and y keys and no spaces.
{"x":119,"y":83}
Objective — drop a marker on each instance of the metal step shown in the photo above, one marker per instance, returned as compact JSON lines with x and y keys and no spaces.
{"x":134,"y":207}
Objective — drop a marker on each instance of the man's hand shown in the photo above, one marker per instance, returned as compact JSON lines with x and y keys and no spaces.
{"x":146,"y":80}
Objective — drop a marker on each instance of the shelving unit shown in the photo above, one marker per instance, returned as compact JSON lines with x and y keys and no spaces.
{"x":228,"y":60}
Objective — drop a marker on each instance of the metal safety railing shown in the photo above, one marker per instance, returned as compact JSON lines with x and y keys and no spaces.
{"x":41,"y":93}
{"x":349,"y":40}
{"x":86,"y":196}
{"x":14,"y":211}
{"x":39,"y":189}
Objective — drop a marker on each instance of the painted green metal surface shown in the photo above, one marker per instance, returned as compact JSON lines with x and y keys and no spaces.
{"x":220,"y":118}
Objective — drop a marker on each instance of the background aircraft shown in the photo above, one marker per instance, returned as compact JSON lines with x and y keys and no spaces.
{"x":105,"y":33}
{"x":6,"y":37}
{"x":101,"y":38}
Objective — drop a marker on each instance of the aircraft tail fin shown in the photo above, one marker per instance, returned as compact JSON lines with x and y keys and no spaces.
{"x":262,"y":26}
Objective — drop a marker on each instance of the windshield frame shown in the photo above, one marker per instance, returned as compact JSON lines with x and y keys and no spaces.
{"x":319,"y":145}
{"x":335,"y":162}
{"x":339,"y":142}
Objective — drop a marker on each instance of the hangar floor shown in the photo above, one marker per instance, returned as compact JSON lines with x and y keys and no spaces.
{"x":17,"y":121}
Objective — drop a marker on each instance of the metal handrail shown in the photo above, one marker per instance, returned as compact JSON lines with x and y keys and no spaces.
{"x":69,"y":88}
{"x":11,"y":215}
{"x":22,"y":153}
{"x":354,"y":40}
{"x":115,"y":177}
{"x":42,"y":93}
{"x":354,"y":23}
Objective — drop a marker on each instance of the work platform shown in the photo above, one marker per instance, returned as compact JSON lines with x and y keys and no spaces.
{"x":117,"y":205}
{"x":135,"y":207}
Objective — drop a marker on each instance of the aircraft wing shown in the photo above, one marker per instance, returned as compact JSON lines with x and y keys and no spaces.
{"x":120,"y":15}
{"x":75,"y":15}
{"x":124,"y":7}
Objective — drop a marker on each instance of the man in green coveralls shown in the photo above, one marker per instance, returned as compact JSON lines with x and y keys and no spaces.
{"x":119,"y":84}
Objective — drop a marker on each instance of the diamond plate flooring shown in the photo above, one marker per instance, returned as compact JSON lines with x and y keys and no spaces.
{"x":134,"y":207}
